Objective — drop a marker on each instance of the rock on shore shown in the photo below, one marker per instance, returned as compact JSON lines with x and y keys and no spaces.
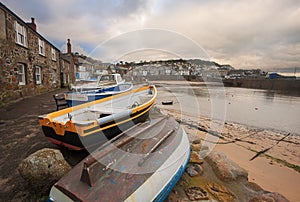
{"x":218,"y":178}
{"x":43,"y":168}
{"x":225,"y":169}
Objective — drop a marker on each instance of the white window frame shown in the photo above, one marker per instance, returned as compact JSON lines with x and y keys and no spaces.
{"x":42,"y":47}
{"x":38,"y":75}
{"x":20,"y":34}
{"x":21,"y":74}
{"x":53,"y":54}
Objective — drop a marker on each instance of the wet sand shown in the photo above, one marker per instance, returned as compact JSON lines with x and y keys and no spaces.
{"x":276,"y":169}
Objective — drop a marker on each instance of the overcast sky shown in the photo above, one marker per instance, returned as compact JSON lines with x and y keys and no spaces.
{"x":246,"y":34}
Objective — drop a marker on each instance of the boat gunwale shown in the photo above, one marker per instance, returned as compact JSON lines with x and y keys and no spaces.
{"x":52,"y":115}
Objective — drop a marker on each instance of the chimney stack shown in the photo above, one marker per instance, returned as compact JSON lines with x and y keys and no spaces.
{"x":69,"y":51}
{"x":32,"y":24}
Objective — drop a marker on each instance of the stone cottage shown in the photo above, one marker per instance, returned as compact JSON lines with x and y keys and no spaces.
{"x":68,"y":66}
{"x":29,"y":63}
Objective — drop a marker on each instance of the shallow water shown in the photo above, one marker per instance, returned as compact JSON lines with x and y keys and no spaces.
{"x":259,"y":108}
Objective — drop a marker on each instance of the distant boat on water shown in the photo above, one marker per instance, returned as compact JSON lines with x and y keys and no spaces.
{"x":94,"y":122}
{"x":142,"y":164}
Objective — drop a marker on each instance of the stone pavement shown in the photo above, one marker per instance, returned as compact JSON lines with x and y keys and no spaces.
{"x":20,"y":136}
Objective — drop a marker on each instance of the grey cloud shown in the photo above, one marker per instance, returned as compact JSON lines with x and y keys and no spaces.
{"x":156,"y":40}
{"x":30,"y":8}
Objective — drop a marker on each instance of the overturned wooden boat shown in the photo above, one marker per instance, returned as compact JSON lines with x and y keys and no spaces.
{"x":93,"y":123}
{"x":74,"y":98}
{"x":141,"y":164}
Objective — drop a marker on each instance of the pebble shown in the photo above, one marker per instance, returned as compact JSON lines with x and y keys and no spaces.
{"x":196,"y":193}
{"x":195,"y":158}
{"x":194,"y":169}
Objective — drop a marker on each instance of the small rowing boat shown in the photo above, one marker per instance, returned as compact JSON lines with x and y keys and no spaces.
{"x":76,"y":98}
{"x":142,"y":164}
{"x":95,"y":122}
{"x":105,"y":80}
{"x":106,"y":85}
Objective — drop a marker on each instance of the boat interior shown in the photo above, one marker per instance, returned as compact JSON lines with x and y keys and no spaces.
{"x":99,"y":110}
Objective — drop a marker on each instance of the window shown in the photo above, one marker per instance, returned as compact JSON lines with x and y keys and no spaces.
{"x":54,"y":75}
{"x":21,"y":34}
{"x":38,"y":75}
{"x":53,"y":55}
{"x":21,"y":74}
{"x":41,"y":47}
{"x":64,"y":78}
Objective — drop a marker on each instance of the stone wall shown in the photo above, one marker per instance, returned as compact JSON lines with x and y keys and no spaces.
{"x":12,"y":53}
{"x":268,"y":84}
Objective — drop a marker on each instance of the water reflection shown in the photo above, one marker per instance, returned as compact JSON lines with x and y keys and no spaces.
{"x":269,"y":95}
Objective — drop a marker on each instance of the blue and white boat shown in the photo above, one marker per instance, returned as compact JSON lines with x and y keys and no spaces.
{"x":107,"y":85}
{"x":102,"y":81}
{"x":142,"y":163}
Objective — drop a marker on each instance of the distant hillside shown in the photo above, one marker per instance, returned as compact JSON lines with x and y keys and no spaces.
{"x":209,"y":63}
{"x":198,"y":62}
{"x":93,"y":61}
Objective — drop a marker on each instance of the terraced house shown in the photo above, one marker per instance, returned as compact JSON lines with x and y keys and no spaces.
{"x":29,"y":63}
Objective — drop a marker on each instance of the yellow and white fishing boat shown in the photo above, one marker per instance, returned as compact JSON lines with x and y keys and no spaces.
{"x":94,"y":123}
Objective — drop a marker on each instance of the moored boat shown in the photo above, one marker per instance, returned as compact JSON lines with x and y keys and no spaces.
{"x":142,"y":164}
{"x":80,"y":97}
{"x":103,"y":81}
{"x":93,"y":123}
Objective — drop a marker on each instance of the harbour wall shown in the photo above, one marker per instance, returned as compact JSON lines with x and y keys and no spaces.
{"x":268,"y":84}
{"x":282,"y":84}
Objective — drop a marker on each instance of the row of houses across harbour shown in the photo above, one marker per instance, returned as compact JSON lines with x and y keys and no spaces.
{"x":190,"y":70}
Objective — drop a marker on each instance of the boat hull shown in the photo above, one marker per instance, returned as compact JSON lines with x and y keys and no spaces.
{"x":74,"y":141}
{"x":126,"y":178}
{"x":167,"y":178}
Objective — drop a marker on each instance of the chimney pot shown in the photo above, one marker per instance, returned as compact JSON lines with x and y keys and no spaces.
{"x":69,"y":51}
{"x":32,"y":24}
